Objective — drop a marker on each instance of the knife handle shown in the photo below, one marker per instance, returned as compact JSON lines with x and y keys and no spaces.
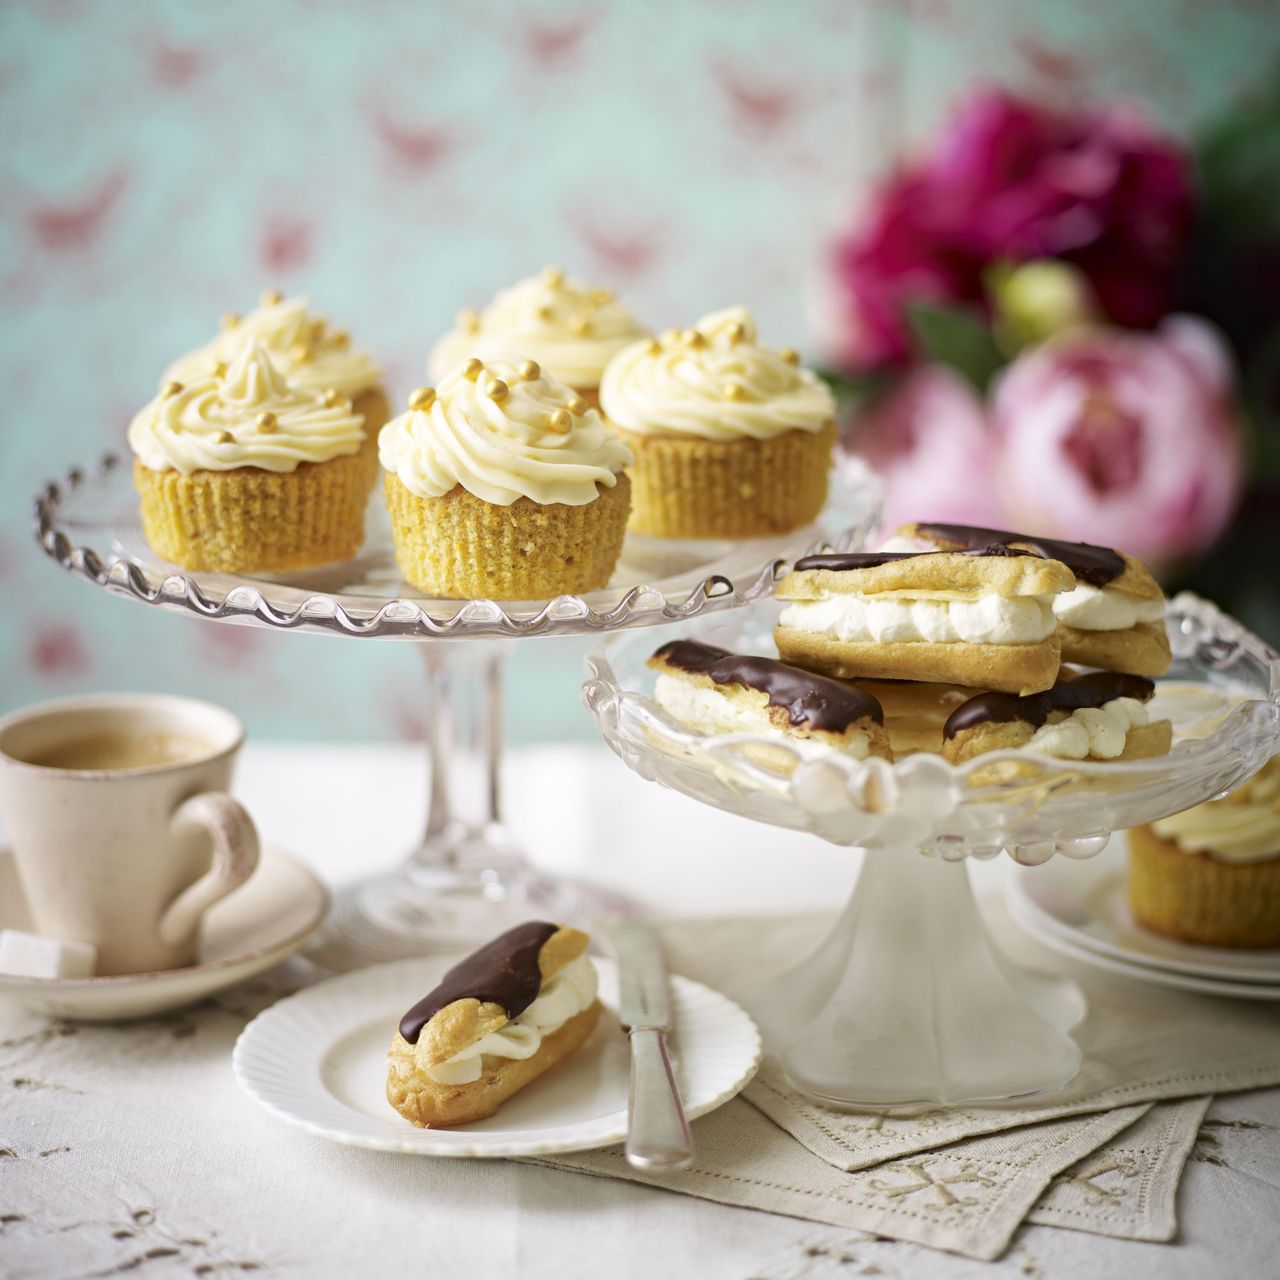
{"x":657,"y":1133}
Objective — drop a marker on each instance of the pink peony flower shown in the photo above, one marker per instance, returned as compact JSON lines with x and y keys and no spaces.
{"x":1010,"y":181}
{"x":1123,"y":438}
{"x":927,"y":437}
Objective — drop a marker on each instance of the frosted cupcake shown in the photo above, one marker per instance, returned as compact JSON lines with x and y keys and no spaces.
{"x":732,"y":439}
{"x":241,"y":471}
{"x":571,"y":329}
{"x":506,"y":484}
{"x":1212,"y":874}
{"x":309,"y":352}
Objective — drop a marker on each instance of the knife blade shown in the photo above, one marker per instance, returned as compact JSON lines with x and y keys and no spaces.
{"x":658,"y":1134}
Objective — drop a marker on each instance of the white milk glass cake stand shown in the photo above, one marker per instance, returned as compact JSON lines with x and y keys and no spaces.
{"x":467,"y":878}
{"x":908,"y":1001}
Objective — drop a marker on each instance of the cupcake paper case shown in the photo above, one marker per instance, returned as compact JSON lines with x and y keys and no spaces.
{"x":731,"y":438}
{"x":309,"y":352}
{"x":1211,"y":874}
{"x":571,"y":329}
{"x":241,"y":471}
{"x":504,"y":483}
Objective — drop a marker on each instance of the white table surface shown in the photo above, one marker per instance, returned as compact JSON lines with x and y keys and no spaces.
{"x":350,"y":811}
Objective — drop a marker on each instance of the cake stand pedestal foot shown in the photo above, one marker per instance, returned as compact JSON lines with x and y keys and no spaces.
{"x":467,"y":880}
{"x":908,"y":1001}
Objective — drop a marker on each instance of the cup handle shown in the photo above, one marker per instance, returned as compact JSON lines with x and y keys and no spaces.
{"x":235,"y":855}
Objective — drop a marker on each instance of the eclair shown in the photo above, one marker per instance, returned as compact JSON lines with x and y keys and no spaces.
{"x":1099,"y":716}
{"x":981,"y":617}
{"x":714,"y":691}
{"x":495,"y":1023}
{"x":1113,"y":615}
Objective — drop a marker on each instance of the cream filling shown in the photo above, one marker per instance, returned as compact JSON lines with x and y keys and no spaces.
{"x":892,"y":619}
{"x":1105,"y":608}
{"x":564,"y":997}
{"x":1242,"y":827}
{"x":711,"y":711}
{"x":1100,"y":732}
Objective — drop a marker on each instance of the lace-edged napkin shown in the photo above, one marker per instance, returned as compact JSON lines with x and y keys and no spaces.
{"x":1104,"y":1155}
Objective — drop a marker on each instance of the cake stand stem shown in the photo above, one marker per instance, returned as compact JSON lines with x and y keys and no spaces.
{"x":468,"y":879}
{"x":909,"y":1001}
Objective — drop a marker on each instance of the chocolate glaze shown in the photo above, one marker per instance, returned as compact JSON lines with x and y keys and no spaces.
{"x":1092,"y":564}
{"x":839,"y":561}
{"x":816,"y":701}
{"x":503,"y":972}
{"x":1067,"y":695}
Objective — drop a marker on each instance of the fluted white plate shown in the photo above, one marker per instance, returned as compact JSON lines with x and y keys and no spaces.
{"x":318,"y":1060}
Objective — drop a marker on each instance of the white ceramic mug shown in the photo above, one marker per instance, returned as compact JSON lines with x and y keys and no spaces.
{"x":128,"y":859}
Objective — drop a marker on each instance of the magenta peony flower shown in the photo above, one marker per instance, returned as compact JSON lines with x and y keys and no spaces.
{"x":1009,"y":181}
{"x":1123,"y":438}
{"x":927,"y":437}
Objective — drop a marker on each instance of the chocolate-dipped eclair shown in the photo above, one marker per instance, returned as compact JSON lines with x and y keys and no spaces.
{"x":1113,"y":617}
{"x":1099,"y":716}
{"x":980,"y":617}
{"x":494,"y":1023}
{"x":715,"y":691}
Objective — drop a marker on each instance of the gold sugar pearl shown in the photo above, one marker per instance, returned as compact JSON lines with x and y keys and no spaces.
{"x":422,"y":398}
{"x":496,"y":389}
{"x":331,"y":399}
{"x":578,"y":405}
{"x":790,"y":355}
{"x":653,"y":347}
{"x":219,"y":368}
{"x":272,"y":298}
{"x":230,"y":320}
{"x":579,"y":324}
{"x":170,"y":389}
{"x":530,"y":370}
{"x":340,"y":339}
{"x":598,"y":297}
{"x":553,"y":277}
{"x":734,"y":391}
{"x":225,"y":437}
{"x":473,"y":368}
{"x":735,"y":333}
{"x":543,"y":313}
{"x":300,"y":352}
{"x":561,"y":421}
{"x":468,"y":320}
{"x":694,"y":338}
{"x":266,"y":422}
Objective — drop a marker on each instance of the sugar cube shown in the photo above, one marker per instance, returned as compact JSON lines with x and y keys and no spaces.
{"x":30,"y":955}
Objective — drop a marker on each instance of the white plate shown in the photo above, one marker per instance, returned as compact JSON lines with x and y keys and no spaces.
{"x":1085,"y":904}
{"x":1140,"y":972}
{"x":318,"y":1060}
{"x":267,"y":919}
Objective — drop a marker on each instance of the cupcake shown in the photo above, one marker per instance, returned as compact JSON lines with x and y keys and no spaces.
{"x":1212,"y":874}
{"x":241,"y":471}
{"x":732,"y":439}
{"x":506,"y":484}
{"x":571,"y":329}
{"x":308,"y":352}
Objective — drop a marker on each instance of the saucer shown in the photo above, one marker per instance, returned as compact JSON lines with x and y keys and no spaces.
{"x":318,"y":1060}
{"x":267,"y":919}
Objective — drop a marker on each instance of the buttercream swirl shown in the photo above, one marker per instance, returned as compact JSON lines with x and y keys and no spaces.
{"x":714,"y":381}
{"x":534,"y":439}
{"x":302,"y":344}
{"x":1241,"y":827}
{"x":216,"y":421}
{"x":571,"y":329}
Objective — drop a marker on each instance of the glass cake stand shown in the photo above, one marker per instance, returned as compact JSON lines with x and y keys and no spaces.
{"x":908,"y":1001}
{"x":467,"y":878}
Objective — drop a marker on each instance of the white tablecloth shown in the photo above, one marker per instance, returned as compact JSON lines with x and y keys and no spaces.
{"x":270,"y":1199}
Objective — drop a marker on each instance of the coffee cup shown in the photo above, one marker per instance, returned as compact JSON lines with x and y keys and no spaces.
{"x":121,"y":826}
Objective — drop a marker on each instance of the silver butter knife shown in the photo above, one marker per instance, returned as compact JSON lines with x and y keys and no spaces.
{"x":657,"y":1133}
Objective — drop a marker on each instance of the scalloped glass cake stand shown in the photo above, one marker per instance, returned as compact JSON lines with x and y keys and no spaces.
{"x":467,"y":878}
{"x":908,"y":1001}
